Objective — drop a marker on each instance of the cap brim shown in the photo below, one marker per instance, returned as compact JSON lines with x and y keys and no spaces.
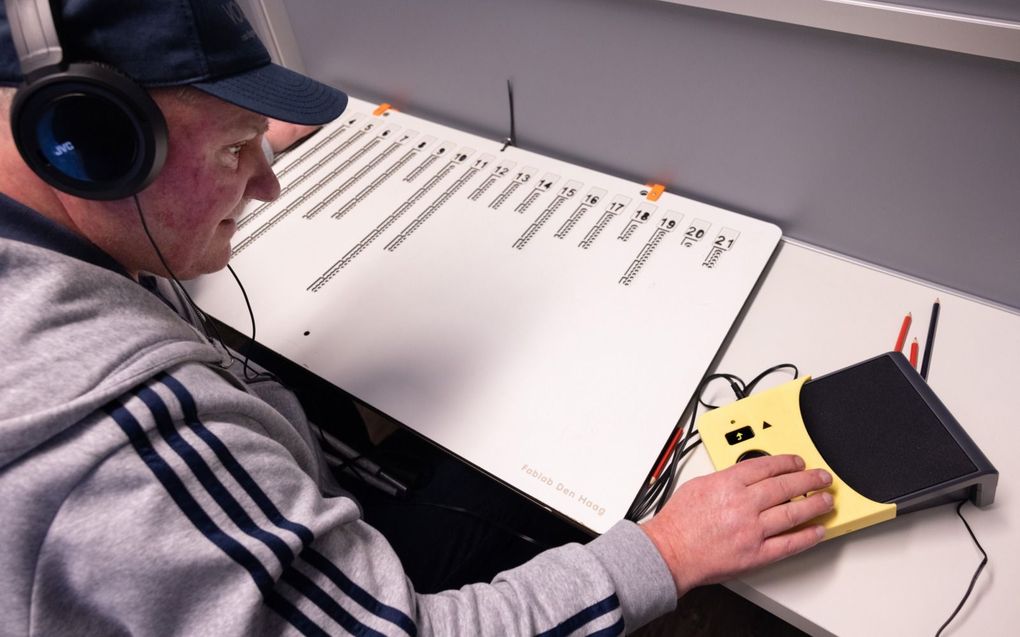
{"x":279,"y":93}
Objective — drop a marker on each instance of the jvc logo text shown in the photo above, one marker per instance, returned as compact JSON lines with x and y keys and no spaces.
{"x":62,"y":149}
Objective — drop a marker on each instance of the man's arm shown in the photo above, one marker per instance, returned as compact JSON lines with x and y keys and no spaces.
{"x":717,"y":526}
{"x":205,"y":500}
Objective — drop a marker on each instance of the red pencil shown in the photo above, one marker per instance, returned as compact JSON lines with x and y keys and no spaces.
{"x":902,"y":338}
{"x":913,"y":353}
{"x":662,"y":460}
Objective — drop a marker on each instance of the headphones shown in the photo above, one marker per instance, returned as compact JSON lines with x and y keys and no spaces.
{"x":84,"y":128}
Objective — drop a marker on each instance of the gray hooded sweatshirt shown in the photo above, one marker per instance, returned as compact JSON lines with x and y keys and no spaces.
{"x":145,"y":490}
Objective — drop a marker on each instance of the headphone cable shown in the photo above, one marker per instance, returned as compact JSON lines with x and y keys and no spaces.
{"x":202,"y":318}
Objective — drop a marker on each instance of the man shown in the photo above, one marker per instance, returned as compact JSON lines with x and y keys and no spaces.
{"x":146,"y":489}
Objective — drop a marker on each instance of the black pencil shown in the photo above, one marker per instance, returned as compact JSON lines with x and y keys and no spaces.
{"x":929,"y":343}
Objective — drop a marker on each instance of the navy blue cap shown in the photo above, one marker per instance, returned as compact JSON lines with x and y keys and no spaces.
{"x":207,"y":44}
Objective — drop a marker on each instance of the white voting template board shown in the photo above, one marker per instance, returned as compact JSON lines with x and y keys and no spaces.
{"x":545,"y":322}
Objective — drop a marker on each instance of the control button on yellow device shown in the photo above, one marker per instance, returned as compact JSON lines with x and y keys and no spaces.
{"x":753,"y":453}
{"x":738,"y":436}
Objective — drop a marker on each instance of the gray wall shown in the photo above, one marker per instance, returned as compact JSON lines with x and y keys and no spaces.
{"x":903,"y":156}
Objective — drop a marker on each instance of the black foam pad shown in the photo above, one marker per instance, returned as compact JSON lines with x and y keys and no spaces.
{"x":878,"y":433}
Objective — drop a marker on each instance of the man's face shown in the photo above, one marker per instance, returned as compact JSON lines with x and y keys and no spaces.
{"x":214,"y":167}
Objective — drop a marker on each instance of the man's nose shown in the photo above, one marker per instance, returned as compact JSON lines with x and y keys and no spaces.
{"x":263,"y":185}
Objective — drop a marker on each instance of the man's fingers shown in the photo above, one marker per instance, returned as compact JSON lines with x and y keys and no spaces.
{"x":778,"y":489}
{"x":758,"y":469}
{"x":786,"y":544}
{"x":788,"y":515}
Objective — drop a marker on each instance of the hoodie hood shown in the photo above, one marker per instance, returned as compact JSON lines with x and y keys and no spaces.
{"x":73,"y":336}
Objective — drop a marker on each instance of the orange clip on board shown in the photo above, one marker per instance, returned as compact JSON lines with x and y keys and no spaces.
{"x":382,"y":108}
{"x":655,"y":191}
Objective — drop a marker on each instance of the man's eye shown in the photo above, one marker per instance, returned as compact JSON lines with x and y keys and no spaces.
{"x":235,"y":150}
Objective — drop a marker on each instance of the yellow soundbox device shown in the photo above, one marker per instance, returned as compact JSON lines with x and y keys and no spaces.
{"x":889,"y":443}
{"x":770,"y":423}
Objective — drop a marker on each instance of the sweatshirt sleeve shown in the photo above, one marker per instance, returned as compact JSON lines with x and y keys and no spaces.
{"x":612,"y":585}
{"x":200,"y":516}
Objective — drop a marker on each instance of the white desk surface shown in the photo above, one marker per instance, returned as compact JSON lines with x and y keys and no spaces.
{"x":902,"y":577}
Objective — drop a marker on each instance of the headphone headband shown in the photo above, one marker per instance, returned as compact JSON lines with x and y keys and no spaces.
{"x":34,"y":35}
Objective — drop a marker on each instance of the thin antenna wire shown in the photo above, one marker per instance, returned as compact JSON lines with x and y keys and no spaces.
{"x":512,"y":139}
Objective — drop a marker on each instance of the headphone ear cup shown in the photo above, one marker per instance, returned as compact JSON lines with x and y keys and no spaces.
{"x":90,"y":131}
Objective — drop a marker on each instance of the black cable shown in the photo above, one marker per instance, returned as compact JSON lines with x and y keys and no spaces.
{"x":206,"y":323}
{"x":977,"y":572}
{"x":258,"y":377}
{"x":736,"y":385}
{"x":685,"y":447}
{"x":653,"y":497}
{"x":178,"y":286}
{"x":249,"y":376}
{"x":749,"y":388}
{"x":166,"y":266}
{"x":251,"y":318}
{"x":203,"y":318}
{"x":649,"y":493}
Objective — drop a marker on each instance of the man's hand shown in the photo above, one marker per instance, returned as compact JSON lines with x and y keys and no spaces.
{"x":722,"y":524}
